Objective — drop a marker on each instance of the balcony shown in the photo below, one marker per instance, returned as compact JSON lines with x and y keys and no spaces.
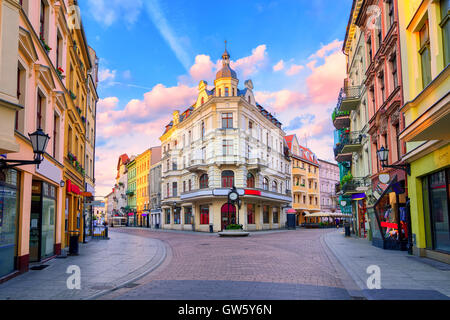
{"x":341,"y":119}
{"x":197,"y":165}
{"x":256,"y":164}
{"x":356,"y":185}
{"x":352,"y":142}
{"x":349,"y":98}
{"x":339,"y":155}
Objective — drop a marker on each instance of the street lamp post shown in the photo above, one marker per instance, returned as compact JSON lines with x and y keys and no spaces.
{"x":383,"y":155}
{"x":39,"y":140}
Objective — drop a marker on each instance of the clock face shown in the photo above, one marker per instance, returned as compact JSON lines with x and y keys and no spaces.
{"x":233,"y":196}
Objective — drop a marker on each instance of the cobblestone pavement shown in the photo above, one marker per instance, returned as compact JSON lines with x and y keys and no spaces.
{"x":272,"y":265}
{"x":104,"y":265}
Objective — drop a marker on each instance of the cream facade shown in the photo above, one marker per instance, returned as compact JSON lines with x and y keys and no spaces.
{"x":224,"y":139}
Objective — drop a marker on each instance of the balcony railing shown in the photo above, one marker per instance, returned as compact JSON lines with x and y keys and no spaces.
{"x":349,"y":98}
{"x":356,"y":185}
{"x":352,"y":142}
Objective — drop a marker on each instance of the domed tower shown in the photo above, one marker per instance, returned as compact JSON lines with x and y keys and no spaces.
{"x":226,"y":82}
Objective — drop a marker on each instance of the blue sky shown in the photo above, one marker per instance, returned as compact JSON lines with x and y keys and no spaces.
{"x":150,"y":50}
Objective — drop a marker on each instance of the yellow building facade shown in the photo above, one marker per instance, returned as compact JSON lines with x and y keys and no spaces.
{"x":425,"y":37}
{"x":77,"y":65}
{"x":142,"y":187}
{"x":305,"y":179}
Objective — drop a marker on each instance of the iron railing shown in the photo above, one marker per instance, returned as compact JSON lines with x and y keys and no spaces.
{"x":348,"y":93}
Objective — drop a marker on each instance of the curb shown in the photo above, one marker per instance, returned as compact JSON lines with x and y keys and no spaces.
{"x":354,"y":290}
{"x":162,"y":249}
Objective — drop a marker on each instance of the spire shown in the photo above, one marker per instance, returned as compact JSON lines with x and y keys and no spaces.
{"x":226,"y":71}
{"x":226,"y":56}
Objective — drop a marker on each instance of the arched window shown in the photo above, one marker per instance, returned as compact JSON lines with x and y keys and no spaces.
{"x":266,"y":184}
{"x":274,"y":186}
{"x":249,"y":101}
{"x":227,"y":179}
{"x":203,"y":129}
{"x":250,"y":180}
{"x":204,"y":181}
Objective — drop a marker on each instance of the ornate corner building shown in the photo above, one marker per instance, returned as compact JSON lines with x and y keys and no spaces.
{"x":224,"y":139}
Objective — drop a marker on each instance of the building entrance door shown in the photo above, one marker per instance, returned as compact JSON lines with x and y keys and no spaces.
{"x":228,"y":214}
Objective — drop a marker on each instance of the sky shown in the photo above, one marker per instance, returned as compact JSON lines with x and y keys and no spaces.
{"x":153,"y":54}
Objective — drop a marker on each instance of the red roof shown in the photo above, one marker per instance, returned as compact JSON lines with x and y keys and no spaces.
{"x":306,"y":155}
{"x":122,"y":159}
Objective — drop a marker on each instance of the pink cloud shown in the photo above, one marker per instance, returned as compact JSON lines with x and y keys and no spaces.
{"x":250,"y":65}
{"x":280,"y":101}
{"x":326,"y":80}
{"x":331,"y":47}
{"x":202,"y":68}
{"x":294,"y":69}
{"x":279,"y":66}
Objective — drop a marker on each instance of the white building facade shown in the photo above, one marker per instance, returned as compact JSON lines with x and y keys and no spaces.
{"x":224,"y":139}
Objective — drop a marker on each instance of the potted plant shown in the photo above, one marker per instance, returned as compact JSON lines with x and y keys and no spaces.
{"x":45,"y":45}
{"x":60,"y":72}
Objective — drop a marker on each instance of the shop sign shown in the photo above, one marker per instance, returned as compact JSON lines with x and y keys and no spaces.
{"x":50,"y":171}
{"x":252,"y":192}
{"x":72,"y":187}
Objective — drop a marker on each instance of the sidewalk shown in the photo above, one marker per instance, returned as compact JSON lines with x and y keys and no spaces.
{"x":402,"y":276}
{"x":104,"y":264}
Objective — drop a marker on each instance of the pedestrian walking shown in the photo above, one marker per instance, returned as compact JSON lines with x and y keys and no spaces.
{"x":337,"y":223}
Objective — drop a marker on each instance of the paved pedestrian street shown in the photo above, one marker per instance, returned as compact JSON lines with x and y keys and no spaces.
{"x":302,"y":264}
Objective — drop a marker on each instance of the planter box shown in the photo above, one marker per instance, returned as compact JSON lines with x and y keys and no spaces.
{"x":234,"y":233}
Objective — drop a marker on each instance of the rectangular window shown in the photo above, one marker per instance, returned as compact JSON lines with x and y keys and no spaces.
{"x":187,"y":215}
{"x":369,"y":48}
{"x":445,"y":25}
{"x":227,"y":147}
{"x":42,"y":22}
{"x":265,"y":214}
{"x":394,"y":71}
{"x":184,"y":186}
{"x":390,"y":10}
{"x":167,"y":214}
{"x":227,"y":91}
{"x":250,"y":214}
{"x":382,"y":89}
{"x":204,"y":214}
{"x":275,"y":215}
{"x":227,"y":120}
{"x":176,"y":216}
{"x":425,"y":56}
{"x":190,"y":185}
{"x":55,"y":134}
{"x":439,"y":206}
{"x":174,"y":189}
{"x":39,"y":111}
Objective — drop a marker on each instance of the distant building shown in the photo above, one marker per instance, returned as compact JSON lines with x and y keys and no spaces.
{"x":155,"y":188}
{"x":305,"y":179}
{"x":328,"y":178}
